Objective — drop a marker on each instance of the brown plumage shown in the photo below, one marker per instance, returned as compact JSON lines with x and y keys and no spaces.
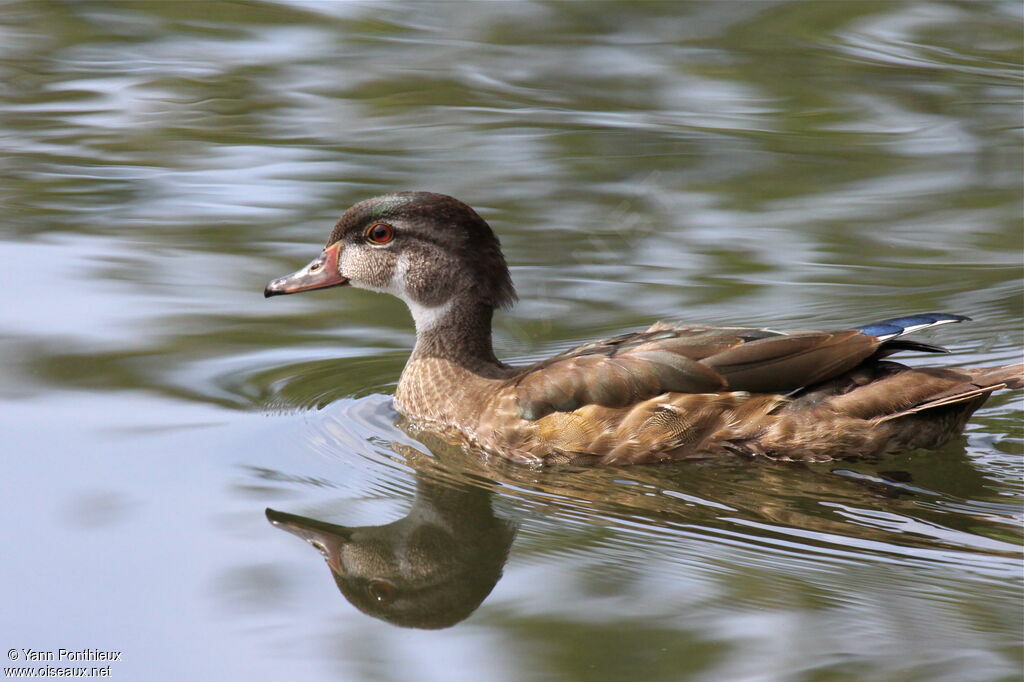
{"x":670,"y":392}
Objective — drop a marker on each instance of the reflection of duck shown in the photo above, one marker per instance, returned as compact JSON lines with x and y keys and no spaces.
{"x":673,"y":391}
{"x":735,"y":497}
{"x":434,"y":567}
{"x":430,"y":569}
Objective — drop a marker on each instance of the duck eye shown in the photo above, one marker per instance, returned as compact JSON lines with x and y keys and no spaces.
{"x":380,"y":233}
{"x":382,"y":591}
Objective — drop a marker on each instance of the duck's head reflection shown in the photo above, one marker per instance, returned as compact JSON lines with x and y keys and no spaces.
{"x":428,"y":570}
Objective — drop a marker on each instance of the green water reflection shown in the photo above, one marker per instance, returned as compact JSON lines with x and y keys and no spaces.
{"x":776,"y":163}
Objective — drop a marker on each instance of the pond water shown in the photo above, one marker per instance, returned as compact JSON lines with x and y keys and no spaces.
{"x":792,"y":164}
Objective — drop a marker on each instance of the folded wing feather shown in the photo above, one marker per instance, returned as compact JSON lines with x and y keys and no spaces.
{"x":622,"y":370}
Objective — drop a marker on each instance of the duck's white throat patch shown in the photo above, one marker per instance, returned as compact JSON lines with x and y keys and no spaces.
{"x":424,"y":317}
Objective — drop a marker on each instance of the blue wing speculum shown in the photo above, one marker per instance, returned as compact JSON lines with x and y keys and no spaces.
{"x":899,"y":326}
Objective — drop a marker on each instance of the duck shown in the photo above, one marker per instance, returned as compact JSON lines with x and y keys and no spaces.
{"x":671,"y":392}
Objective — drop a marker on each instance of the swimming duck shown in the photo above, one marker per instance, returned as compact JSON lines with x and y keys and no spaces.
{"x":673,"y":391}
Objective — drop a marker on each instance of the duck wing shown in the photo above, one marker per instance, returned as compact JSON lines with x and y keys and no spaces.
{"x":625,"y":369}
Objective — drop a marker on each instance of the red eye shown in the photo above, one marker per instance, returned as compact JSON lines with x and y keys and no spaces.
{"x":380,"y":233}
{"x":381,"y":590}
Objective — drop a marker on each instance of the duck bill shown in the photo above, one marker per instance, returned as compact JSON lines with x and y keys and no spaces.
{"x":327,"y":538}
{"x":320,"y":273}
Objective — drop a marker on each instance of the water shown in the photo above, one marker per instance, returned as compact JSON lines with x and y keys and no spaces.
{"x":767,"y":163}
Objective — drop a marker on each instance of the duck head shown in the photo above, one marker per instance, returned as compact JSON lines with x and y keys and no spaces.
{"x":430,"y":250}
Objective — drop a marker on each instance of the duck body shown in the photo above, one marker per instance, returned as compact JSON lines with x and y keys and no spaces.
{"x":669,"y":392}
{"x":688,"y":391}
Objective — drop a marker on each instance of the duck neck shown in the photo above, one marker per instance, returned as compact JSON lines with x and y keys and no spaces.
{"x":452,"y":364}
{"x":459,"y":332}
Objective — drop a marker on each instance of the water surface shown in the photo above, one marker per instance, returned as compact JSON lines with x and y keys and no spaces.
{"x":789,"y":164}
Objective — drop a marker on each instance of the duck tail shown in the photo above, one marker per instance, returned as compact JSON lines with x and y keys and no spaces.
{"x":1011,"y":376}
{"x":976,"y":386}
{"x":892,"y":390}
